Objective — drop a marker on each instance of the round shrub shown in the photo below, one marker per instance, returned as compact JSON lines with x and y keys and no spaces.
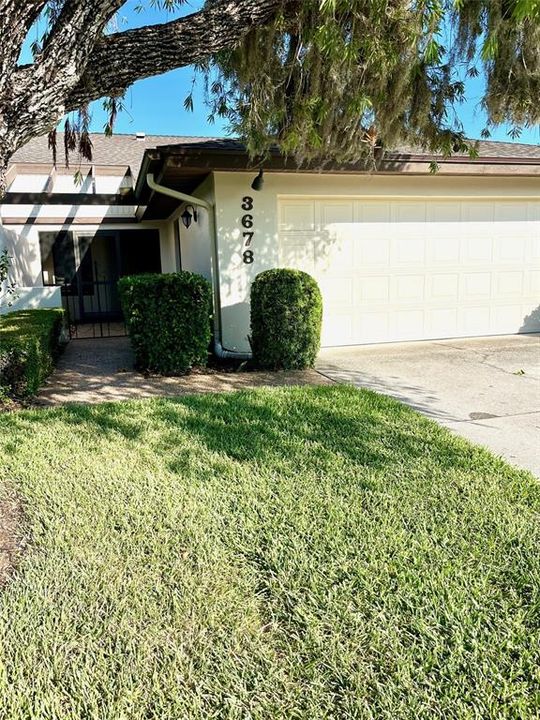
{"x":168,"y":320}
{"x":286,"y":316}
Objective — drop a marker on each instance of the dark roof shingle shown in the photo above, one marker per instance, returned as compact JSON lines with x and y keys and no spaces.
{"x":128,"y":150}
{"x":124,"y":150}
{"x":490,"y":149}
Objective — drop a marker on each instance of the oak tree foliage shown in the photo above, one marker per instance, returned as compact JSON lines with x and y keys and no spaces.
{"x":322,"y":79}
{"x":339,"y":79}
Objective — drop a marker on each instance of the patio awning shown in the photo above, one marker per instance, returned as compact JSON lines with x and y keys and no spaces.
{"x":52,"y":198}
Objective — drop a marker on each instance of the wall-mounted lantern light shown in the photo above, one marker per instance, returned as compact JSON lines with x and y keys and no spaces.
{"x":187,"y":216}
{"x":258,"y":183}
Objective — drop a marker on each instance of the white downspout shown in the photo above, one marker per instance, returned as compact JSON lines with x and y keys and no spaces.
{"x":153,"y":185}
{"x":219,"y":350}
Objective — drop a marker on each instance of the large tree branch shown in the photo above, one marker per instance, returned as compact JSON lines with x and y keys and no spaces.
{"x":44,"y":85}
{"x":118,"y":60}
{"x":79,"y":63}
{"x":76,"y":31}
{"x":16,"y":19}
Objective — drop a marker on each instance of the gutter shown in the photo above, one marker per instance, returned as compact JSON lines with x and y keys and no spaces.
{"x":219,"y":350}
{"x":176,"y":194}
{"x":236,"y":159}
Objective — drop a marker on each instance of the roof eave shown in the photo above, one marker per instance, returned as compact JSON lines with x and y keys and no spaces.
{"x":226,"y":159}
{"x":222,"y":159}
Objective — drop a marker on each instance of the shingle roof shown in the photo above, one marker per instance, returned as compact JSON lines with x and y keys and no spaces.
{"x":124,"y":150}
{"x":491,"y":149}
{"x":128,"y":150}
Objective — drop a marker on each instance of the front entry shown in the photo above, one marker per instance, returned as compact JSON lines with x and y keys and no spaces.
{"x":88,"y":267}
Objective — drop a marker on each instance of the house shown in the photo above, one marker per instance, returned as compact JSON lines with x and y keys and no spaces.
{"x":400,"y":253}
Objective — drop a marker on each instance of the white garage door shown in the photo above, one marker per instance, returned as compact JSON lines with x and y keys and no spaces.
{"x":414,"y":270}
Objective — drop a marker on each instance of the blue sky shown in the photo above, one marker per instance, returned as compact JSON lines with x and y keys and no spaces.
{"x":155,"y":105}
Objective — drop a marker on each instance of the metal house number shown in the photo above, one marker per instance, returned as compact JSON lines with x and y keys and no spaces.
{"x":248,"y":232}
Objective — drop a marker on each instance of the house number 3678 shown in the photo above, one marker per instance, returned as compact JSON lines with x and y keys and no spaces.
{"x":247,"y":230}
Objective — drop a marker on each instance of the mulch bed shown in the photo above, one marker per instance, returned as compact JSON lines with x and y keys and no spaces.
{"x":8,"y":405}
{"x":11,"y":534}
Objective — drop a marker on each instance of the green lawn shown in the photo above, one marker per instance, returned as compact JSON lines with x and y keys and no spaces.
{"x":292,"y":553}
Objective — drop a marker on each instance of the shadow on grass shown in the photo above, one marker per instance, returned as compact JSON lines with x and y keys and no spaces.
{"x":266,"y":427}
{"x":360,"y":426}
{"x":99,"y":420}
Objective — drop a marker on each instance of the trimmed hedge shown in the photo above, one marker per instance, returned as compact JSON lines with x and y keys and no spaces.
{"x":286,"y":317}
{"x":168,"y":320}
{"x":29,"y":346}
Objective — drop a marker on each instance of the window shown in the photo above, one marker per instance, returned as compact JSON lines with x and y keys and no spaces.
{"x":65,"y":258}
{"x":57,"y":257}
{"x":79,"y":261}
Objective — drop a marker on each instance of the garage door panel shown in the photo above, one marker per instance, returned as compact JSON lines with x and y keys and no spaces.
{"x":443,"y":250}
{"x":337,"y":251}
{"x":371,"y":252}
{"x":482,"y":214}
{"x":407,"y":324}
{"x":371,"y":327}
{"x":533,"y":284}
{"x":399,"y":270}
{"x":337,"y":329}
{"x":509,"y":283}
{"x":443,"y":212}
{"x":336,"y":212}
{"x":411,"y":214}
{"x":507,"y":317}
{"x":299,"y":257}
{"x":477,"y":220}
{"x":377,"y":213}
{"x":409,"y":288}
{"x":298,"y":215}
{"x":534,"y":249}
{"x":442,"y":322}
{"x":475,"y":285}
{"x":443,"y":221}
{"x":443,"y":287}
{"x":338,"y":292}
{"x":408,"y":250}
{"x":373,"y":289}
{"x":533,"y":209}
{"x":475,"y":320}
{"x":510,"y":249}
{"x":374,"y":232}
{"x":511,"y":212}
{"x":477,"y":250}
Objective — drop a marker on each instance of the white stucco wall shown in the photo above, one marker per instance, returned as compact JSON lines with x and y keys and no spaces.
{"x":25,"y":270}
{"x":230,"y":188}
{"x":168,"y":250}
{"x":28,"y":294}
{"x":34,"y":298}
{"x":196,"y":241}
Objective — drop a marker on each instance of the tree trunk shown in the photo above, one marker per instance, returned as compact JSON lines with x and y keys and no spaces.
{"x":3,"y":174}
{"x":5,"y":156}
{"x":79,"y":63}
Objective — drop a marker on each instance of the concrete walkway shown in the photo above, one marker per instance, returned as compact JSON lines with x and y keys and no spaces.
{"x":485,"y":389}
{"x":101,"y":370}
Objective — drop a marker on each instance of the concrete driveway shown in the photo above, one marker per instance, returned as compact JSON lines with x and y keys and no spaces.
{"x":485,"y":389}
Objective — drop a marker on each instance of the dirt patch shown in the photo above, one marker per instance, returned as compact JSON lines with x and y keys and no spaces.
{"x":94,"y":371}
{"x":8,"y":405}
{"x":11,"y":533}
